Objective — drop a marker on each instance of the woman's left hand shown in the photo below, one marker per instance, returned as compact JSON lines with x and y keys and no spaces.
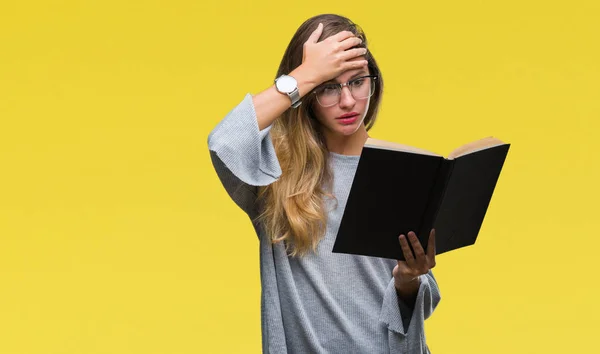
{"x":408,"y":271}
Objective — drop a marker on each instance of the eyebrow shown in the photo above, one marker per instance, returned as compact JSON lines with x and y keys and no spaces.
{"x":362,"y":73}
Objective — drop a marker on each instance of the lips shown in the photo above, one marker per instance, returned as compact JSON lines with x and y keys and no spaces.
{"x":347,"y":121}
{"x":348,"y":115}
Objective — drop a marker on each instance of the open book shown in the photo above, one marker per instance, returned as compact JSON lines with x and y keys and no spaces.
{"x":399,"y":188}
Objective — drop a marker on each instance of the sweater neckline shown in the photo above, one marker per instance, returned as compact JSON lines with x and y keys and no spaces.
{"x":344,"y":157}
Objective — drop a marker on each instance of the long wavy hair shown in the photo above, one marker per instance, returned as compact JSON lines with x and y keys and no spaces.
{"x":294,"y":207}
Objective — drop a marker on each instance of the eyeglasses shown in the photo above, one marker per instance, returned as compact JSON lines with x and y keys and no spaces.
{"x":361,"y":88}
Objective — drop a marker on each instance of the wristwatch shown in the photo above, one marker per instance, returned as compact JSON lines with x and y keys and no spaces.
{"x":288,"y":85}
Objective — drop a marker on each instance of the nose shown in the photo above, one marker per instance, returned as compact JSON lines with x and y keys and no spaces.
{"x":346,"y":98}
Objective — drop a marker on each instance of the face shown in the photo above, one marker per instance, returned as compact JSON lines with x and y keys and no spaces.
{"x":329,"y":117}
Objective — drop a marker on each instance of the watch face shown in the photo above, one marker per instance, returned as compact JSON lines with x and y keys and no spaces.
{"x":286,"y":84}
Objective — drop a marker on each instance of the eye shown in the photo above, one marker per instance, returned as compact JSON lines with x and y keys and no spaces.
{"x":357,"y":82}
{"x":328,"y":90}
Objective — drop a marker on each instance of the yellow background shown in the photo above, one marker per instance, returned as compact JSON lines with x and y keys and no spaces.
{"x":117,"y":237}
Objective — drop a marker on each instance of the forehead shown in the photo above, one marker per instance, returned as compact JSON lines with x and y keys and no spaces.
{"x":348,"y":75}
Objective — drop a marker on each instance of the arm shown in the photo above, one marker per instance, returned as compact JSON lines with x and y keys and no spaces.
{"x":243,"y":156}
{"x":270,"y":103}
{"x":407,"y":295}
{"x":402,"y":318}
{"x":240,"y":146}
{"x":413,"y":293}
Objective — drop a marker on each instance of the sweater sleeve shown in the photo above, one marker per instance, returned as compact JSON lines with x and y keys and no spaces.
{"x":243,"y":156}
{"x":395,"y":314}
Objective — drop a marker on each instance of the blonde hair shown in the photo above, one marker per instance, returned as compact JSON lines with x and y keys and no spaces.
{"x":293,"y":207}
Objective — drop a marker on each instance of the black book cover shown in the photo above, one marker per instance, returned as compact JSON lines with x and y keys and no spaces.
{"x":394,"y":192}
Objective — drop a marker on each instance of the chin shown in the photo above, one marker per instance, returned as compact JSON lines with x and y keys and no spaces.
{"x":348,"y":130}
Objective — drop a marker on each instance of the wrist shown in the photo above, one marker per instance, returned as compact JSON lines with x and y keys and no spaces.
{"x":407,"y":286}
{"x":407,"y":292}
{"x":307,"y":80}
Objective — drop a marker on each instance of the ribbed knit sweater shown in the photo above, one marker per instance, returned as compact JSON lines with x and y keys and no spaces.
{"x":325,"y":302}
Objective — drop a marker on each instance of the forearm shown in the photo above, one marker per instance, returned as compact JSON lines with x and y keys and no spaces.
{"x":407,"y":292}
{"x":397,"y":314}
{"x":270,"y":103}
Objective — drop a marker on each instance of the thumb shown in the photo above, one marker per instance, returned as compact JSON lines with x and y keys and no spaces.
{"x":401,"y":265}
{"x":314,"y":37}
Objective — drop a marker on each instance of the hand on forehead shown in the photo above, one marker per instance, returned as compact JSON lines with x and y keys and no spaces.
{"x":349,"y":74}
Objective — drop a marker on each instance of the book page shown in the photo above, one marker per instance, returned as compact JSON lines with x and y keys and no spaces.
{"x":382,"y":144}
{"x":474,"y":146}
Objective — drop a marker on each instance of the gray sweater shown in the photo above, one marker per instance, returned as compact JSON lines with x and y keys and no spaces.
{"x":325,"y":302}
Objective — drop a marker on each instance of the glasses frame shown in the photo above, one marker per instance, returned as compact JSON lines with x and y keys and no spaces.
{"x":341,"y":87}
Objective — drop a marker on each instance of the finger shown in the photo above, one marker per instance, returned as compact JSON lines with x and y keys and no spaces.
{"x":355,"y":64}
{"x":314,"y":36}
{"x":408,"y":256}
{"x":340,"y":36}
{"x":350,"y":42}
{"x":414,"y":241}
{"x":431,"y":246}
{"x":354,"y":53}
{"x":401,"y":268}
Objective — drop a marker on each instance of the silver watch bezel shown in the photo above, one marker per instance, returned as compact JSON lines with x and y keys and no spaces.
{"x":286,"y":84}
{"x":291,"y":91}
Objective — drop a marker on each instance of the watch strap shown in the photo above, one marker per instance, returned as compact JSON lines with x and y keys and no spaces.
{"x":295,"y":97}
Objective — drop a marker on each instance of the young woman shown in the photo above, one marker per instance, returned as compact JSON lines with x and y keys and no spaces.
{"x":287,"y":157}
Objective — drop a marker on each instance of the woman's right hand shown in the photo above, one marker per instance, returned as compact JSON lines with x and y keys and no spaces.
{"x":331,"y":57}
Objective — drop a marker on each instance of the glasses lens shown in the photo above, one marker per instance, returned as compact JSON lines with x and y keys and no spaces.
{"x":328,"y":95}
{"x":360,"y":88}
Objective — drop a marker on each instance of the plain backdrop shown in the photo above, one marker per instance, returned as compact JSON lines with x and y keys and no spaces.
{"x":116,"y":235}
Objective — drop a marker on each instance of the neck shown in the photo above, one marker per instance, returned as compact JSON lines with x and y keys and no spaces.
{"x":347,"y":145}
